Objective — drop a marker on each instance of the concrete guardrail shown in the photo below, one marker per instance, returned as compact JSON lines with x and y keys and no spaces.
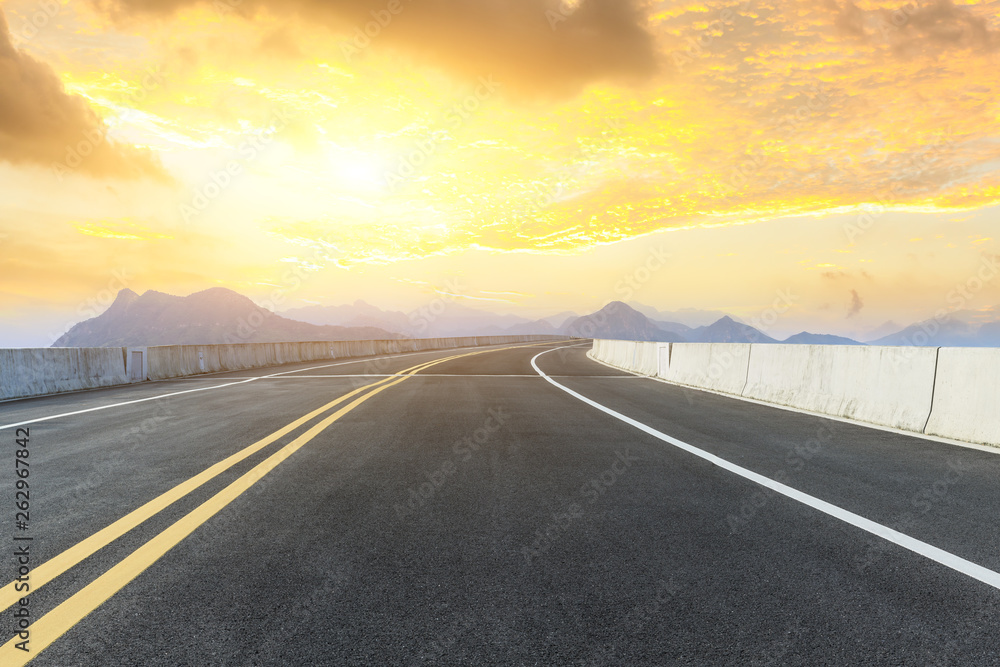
{"x":947,"y":392}
{"x":26,"y":372}
{"x":34,"y":371}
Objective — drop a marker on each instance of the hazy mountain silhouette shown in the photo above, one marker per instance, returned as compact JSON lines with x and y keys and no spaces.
{"x":441,"y":317}
{"x":989,"y":334}
{"x":216,"y":315}
{"x":219,"y":315}
{"x":886,"y":329}
{"x":550,"y":325}
{"x":682,"y":330}
{"x":689,"y":317}
{"x":954,"y":330}
{"x":560,"y":319}
{"x":357,"y":314}
{"x":806,"y":338}
{"x":727,"y":330}
{"x":620,"y":321}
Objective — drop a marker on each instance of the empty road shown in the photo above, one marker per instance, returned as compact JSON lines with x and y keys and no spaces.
{"x":510,"y":505}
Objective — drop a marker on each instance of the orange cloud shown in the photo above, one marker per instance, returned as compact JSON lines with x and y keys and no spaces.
{"x":41,"y":124}
{"x":543,"y":47}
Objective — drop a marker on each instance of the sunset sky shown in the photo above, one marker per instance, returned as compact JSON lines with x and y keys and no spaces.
{"x":530,"y":156}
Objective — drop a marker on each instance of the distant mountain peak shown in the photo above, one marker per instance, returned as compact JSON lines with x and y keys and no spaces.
{"x":219,"y":294}
{"x":618,"y":320}
{"x":612,"y":306}
{"x":212,"y":316}
{"x":806,"y":338}
{"x":125,"y":298}
{"x":728,"y":330}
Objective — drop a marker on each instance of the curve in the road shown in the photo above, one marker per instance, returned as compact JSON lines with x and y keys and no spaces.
{"x":64,"y":616}
{"x":941,"y":556}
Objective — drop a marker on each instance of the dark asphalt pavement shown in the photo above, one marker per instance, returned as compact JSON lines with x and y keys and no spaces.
{"x":474,"y":514}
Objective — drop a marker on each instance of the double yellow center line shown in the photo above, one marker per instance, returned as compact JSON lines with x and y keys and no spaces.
{"x":54,"y":624}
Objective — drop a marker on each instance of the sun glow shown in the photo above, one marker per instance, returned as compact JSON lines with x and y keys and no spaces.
{"x":261,"y":133}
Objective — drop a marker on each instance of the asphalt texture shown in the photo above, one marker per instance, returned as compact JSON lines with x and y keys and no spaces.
{"x":474,"y":514}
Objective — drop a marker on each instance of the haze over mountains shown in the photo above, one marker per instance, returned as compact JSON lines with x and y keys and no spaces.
{"x":441,"y":317}
{"x":216,"y":315}
{"x":962,"y":328}
{"x":619,"y":320}
{"x":220,"y":315}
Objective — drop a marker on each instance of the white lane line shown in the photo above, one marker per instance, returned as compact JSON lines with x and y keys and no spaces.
{"x":392,"y":356}
{"x":941,"y":556}
{"x":230,"y":384}
{"x":115,"y":405}
{"x":368,"y":359}
{"x":191,"y":391}
{"x":992,"y":449}
{"x":435,"y":375}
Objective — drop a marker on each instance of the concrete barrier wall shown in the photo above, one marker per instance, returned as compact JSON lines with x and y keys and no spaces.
{"x":638,"y":357}
{"x":645,"y":359}
{"x":170,"y":361}
{"x":948,"y":392}
{"x":716,"y":366}
{"x":35,"y":371}
{"x":890,"y":386}
{"x":967,"y":395}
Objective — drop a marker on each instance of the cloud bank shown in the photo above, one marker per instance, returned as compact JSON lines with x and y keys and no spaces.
{"x":537,"y":46}
{"x":41,"y":124}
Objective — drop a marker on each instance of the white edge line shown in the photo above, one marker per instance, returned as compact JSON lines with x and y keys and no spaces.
{"x":115,"y":405}
{"x":802,"y":411}
{"x":941,"y":556}
{"x":431,"y":375}
{"x":220,"y":386}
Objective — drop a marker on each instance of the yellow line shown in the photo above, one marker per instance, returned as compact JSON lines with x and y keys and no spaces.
{"x":57,"y":565}
{"x":53,"y":625}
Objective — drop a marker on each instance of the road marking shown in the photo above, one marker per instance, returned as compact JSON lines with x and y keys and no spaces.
{"x":992,"y":449}
{"x":57,"y":565}
{"x":115,"y":405}
{"x":54,"y":624}
{"x":219,"y":386}
{"x":450,"y":375}
{"x":941,"y":556}
{"x":64,"y":616}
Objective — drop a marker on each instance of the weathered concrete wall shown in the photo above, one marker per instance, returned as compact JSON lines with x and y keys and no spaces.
{"x":716,"y":366}
{"x":951,"y":392}
{"x":35,"y":372}
{"x":967,"y":395}
{"x":51,"y":370}
{"x":638,"y":357}
{"x":890,"y":386}
{"x":169,"y":361}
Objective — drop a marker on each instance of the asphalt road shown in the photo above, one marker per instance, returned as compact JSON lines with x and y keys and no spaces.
{"x":475,"y":513}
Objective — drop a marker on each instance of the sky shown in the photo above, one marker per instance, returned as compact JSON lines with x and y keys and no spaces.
{"x":827,"y":164}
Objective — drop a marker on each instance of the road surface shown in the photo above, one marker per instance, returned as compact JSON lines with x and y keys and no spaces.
{"x":457,"y":507}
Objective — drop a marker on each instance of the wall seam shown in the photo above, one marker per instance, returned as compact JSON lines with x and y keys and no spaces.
{"x":937,"y":359}
{"x":746,"y":380}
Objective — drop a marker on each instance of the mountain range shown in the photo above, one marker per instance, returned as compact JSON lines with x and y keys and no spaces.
{"x":220,"y":315}
{"x":619,"y":320}
{"x":963,"y":328}
{"x":216,"y":315}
